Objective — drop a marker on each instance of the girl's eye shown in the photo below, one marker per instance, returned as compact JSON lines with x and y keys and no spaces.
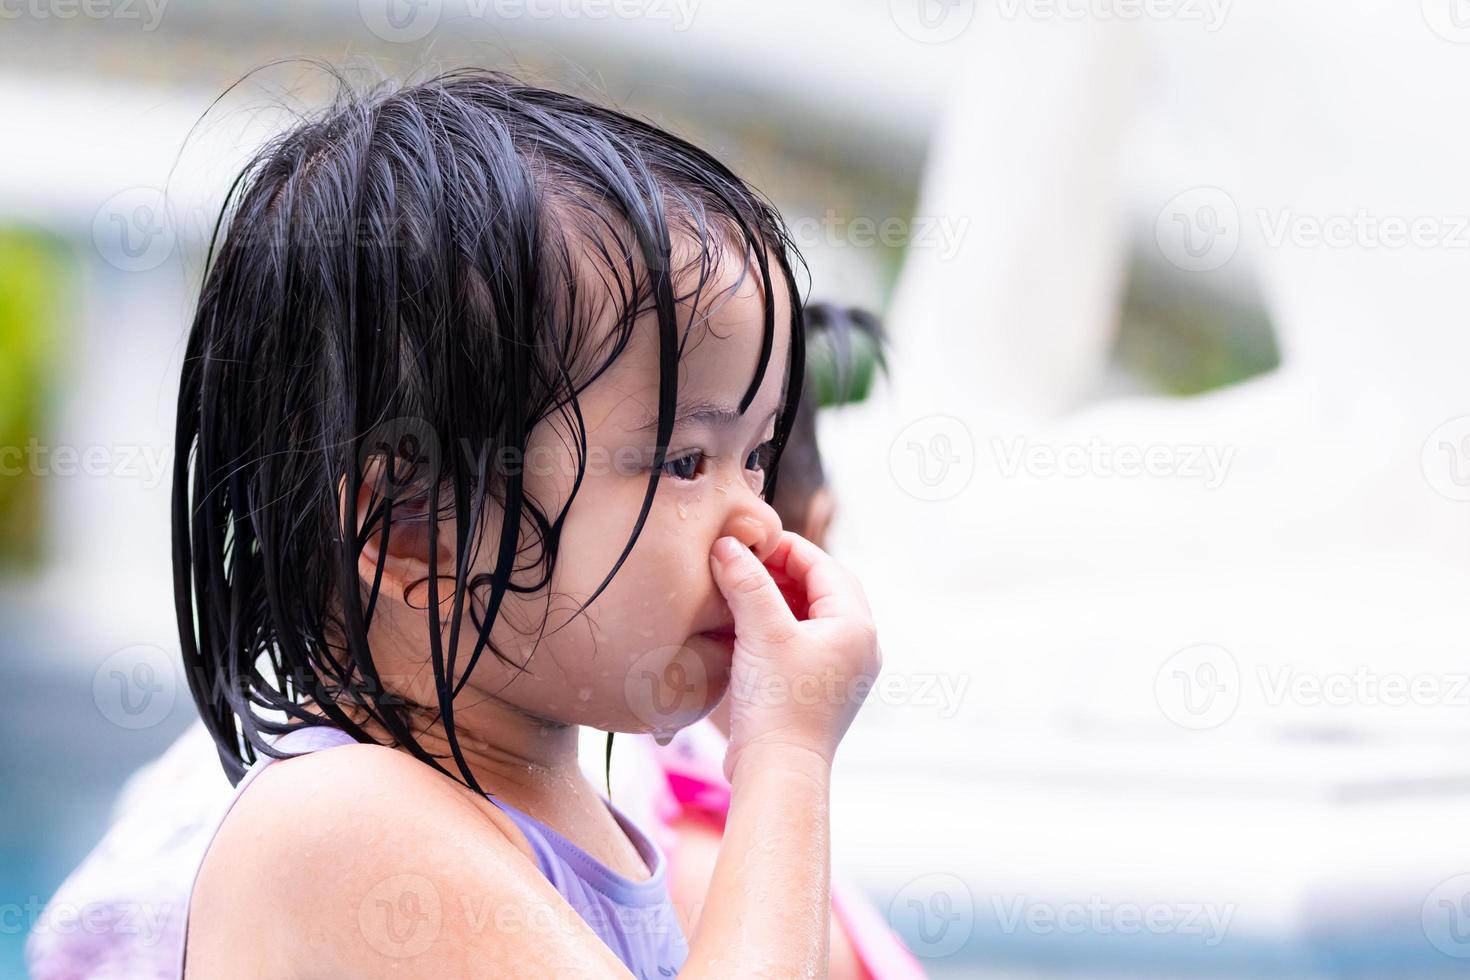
{"x":685,"y":467}
{"x":688,"y":466}
{"x":760,"y":457}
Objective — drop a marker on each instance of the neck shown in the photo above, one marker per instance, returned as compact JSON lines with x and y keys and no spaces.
{"x":503,"y":746}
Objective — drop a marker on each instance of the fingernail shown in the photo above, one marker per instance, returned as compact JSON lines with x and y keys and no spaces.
{"x":726,"y":548}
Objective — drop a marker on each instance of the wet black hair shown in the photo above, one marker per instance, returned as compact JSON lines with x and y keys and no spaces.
{"x":395,"y":277}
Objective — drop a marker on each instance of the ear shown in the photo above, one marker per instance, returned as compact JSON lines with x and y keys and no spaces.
{"x":406,"y":565}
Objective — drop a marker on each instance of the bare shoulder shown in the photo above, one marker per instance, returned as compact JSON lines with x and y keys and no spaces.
{"x":361,"y":861}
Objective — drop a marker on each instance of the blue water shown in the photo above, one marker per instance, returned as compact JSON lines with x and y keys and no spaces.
{"x":61,"y":762}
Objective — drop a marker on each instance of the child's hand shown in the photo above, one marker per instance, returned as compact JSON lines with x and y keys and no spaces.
{"x":806,"y":651}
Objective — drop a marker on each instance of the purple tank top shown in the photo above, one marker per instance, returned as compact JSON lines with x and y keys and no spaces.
{"x":635,"y":918}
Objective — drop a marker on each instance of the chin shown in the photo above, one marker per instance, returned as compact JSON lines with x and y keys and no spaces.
{"x":675,"y":685}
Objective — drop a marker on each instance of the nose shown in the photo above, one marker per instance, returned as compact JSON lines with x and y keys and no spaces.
{"x":750,"y":520}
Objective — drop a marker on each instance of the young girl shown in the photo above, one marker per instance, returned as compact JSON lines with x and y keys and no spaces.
{"x":478,"y":358}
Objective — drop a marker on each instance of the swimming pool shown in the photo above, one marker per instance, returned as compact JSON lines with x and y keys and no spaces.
{"x":63,"y":760}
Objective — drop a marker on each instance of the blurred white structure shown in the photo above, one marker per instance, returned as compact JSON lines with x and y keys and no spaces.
{"x":1215,"y":649}
{"x":1100,"y":685}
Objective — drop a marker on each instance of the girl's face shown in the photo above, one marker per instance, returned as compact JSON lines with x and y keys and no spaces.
{"x":642,"y":658}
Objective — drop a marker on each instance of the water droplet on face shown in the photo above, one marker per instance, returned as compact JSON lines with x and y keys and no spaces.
{"x":663,"y":738}
{"x":722,"y":490}
{"x":683,"y":514}
{"x":584,"y":694}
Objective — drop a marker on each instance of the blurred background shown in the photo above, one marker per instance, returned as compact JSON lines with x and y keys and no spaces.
{"x":1164,"y":507}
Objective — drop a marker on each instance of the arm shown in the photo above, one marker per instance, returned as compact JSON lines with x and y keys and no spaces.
{"x":769,"y":894}
{"x":692,"y":865}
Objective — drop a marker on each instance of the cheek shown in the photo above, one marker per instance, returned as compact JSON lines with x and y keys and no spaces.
{"x":657,"y":595}
{"x":665,"y":575}
{"x":623,"y":665}
{"x":672,"y":576}
{"x":634,"y":666}
{"x":699,"y":511}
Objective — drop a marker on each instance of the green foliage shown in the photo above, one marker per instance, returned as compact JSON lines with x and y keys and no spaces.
{"x":1184,"y":334}
{"x":34,"y":285}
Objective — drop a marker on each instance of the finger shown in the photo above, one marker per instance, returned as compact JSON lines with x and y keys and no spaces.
{"x":831,"y":590}
{"x":793,"y":591}
{"x":759,"y":609}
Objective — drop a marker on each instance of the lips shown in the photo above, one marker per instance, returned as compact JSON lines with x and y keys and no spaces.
{"x":720,"y":633}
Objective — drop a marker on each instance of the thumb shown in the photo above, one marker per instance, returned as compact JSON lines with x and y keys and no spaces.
{"x":756,"y":602}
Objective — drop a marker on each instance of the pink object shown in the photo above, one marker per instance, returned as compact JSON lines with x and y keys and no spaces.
{"x":694,"y":776}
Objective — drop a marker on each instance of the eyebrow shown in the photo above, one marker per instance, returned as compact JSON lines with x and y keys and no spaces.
{"x":714,"y":413}
{"x":706,"y":412}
